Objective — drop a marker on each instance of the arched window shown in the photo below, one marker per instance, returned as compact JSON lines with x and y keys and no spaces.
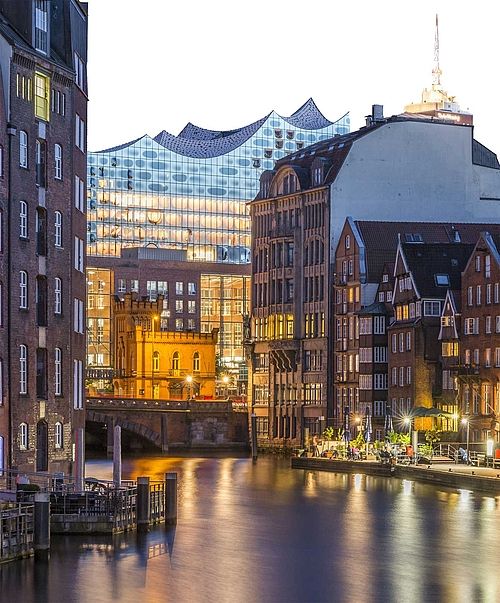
{"x":196,"y":362}
{"x":156,"y":361}
{"x":58,"y":229}
{"x":23,"y":219}
{"x":57,"y":371}
{"x":58,"y":161}
{"x":23,"y":436}
{"x":23,"y":369}
{"x":23,"y":149}
{"x":58,"y":435}
{"x":57,"y":295}
{"x":175,"y":361}
{"x":23,"y":289}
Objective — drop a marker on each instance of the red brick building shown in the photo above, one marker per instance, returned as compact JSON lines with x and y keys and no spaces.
{"x":478,"y":372}
{"x":44,"y":99}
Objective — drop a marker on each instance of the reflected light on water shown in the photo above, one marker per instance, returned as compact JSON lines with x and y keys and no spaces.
{"x":261,"y":532}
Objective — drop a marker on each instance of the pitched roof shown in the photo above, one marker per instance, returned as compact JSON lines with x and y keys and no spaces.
{"x":428,"y":260}
{"x":381,"y":238}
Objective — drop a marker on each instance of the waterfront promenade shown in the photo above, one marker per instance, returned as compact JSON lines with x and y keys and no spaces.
{"x":453,"y":475}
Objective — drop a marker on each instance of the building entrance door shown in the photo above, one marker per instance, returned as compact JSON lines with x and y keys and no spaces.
{"x":42,"y":446}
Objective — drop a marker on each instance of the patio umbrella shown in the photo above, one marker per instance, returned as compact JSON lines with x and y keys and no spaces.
{"x":368,"y":425}
{"x":388,"y":420}
{"x":347,"y":431}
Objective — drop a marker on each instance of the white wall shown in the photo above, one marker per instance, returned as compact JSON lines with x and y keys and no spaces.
{"x":413,"y":171}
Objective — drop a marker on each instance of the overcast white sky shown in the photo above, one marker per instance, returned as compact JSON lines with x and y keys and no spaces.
{"x":157,"y":64}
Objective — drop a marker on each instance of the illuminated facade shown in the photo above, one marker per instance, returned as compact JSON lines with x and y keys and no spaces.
{"x":168,"y":215}
{"x":154,"y":363}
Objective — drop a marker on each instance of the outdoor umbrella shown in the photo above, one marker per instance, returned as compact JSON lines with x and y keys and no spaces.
{"x":368,"y":425}
{"x":388,"y":420}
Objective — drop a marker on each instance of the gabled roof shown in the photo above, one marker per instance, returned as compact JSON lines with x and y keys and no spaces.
{"x":430,"y":259}
{"x":381,"y":238}
{"x":375,"y":308}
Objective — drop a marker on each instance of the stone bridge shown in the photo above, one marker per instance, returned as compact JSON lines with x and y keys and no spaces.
{"x":179,"y":424}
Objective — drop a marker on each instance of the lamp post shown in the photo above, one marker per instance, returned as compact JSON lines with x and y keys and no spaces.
{"x":408,"y":422}
{"x":465,"y":421}
{"x":155,"y":362}
{"x":189,"y":381}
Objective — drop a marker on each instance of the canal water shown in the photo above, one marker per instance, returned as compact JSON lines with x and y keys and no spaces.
{"x":266,"y":533}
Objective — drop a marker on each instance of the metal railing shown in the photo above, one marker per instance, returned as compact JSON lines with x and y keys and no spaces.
{"x":16,"y":530}
{"x":157,"y":503}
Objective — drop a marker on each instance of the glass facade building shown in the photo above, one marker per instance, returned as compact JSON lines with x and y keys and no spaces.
{"x":188,"y":194}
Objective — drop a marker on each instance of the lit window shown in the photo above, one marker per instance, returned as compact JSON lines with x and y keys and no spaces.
{"x":175,"y":361}
{"x":179,"y":288}
{"x":42,"y":96}
{"x":196,"y":362}
{"x":442,"y":280}
{"x":191,"y":288}
{"x":156,"y":361}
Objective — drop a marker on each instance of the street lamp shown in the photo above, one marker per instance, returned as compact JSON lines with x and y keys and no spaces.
{"x":189,"y":381}
{"x":408,"y":422}
{"x":465,"y":421}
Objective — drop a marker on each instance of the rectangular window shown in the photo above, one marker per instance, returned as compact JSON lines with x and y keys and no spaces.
{"x":380,"y":354}
{"x":449,"y":349}
{"x":380,"y":380}
{"x":365,"y":326}
{"x":487,"y":324}
{"x":42,"y":25}
{"x":401,"y":342}
{"x":79,"y":254}
{"x":497,"y":293}
{"x":379,"y":325}
{"x":79,"y":194}
{"x":365,"y":355}
{"x":365,"y":382}
{"x":78,"y":315}
{"x":408,"y":375}
{"x":162,"y":288}
{"x":487,"y":357}
{"x":179,"y":288}
{"x":179,"y":324}
{"x":151,"y":290}
{"x":191,"y":288}
{"x":122,"y":285}
{"x":80,"y":133}
{"x":478,"y":295}
{"x":432,"y":308}
{"x":134,"y":286}
{"x":488,"y":293}
{"x":487,"y":266}
{"x":497,"y":357}
{"x":179,"y":306}
{"x":191,"y":307}
{"x":23,"y":290}
{"x":79,"y":66}
{"x":408,"y":341}
{"x":42,"y":96}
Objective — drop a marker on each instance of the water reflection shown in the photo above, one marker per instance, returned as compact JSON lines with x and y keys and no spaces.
{"x":262,"y":532}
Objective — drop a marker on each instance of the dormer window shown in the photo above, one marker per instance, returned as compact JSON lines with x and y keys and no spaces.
{"x":442,"y":280}
{"x":385,"y":278}
{"x":290,"y":134}
{"x":42,"y":26}
{"x":278,"y":133}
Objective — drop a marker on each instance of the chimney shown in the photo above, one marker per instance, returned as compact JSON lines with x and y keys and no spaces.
{"x":377,"y":113}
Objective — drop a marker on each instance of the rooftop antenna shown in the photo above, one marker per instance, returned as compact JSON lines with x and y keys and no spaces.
{"x":436,"y":71}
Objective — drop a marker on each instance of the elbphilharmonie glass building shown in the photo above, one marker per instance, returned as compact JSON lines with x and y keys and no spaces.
{"x":184,"y":198}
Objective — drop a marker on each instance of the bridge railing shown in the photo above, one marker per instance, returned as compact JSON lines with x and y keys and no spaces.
{"x":157,"y":501}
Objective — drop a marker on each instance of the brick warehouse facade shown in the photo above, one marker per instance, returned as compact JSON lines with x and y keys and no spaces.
{"x":43,"y":50}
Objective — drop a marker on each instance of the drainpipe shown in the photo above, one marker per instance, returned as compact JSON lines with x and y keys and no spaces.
{"x":11,"y":133}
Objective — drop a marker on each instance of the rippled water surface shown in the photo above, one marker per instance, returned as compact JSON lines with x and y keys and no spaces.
{"x":264,"y":532}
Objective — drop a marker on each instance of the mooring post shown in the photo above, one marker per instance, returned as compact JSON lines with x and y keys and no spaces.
{"x":41,"y":527}
{"x":171,"y":498}
{"x":142,"y":504}
{"x":253,"y":435}
{"x":117,"y":457}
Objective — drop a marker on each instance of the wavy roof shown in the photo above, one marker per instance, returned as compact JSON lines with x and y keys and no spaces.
{"x":195,"y":141}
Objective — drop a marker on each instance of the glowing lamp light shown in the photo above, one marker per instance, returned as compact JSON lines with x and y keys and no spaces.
{"x":189,"y":379}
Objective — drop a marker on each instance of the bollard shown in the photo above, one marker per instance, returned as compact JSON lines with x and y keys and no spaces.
{"x":117,"y":457}
{"x":171,"y":498}
{"x":253,"y":435}
{"x":41,"y":535}
{"x":142,"y":504}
